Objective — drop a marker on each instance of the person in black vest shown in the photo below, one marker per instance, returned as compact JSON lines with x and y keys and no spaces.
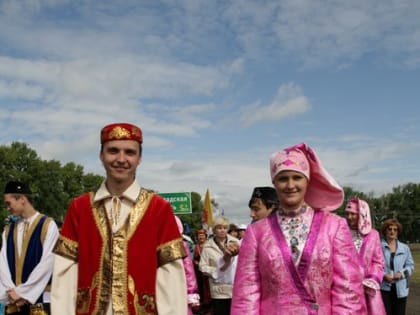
{"x":26,"y":258}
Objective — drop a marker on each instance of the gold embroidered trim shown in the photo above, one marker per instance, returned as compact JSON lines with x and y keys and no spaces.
{"x":118,"y":133}
{"x":112,"y":277}
{"x":104,"y":275}
{"x":67,"y":248}
{"x":148,"y":300}
{"x":171,"y":251}
{"x":84,"y":296}
{"x":45,"y":229}
{"x":140,"y":208}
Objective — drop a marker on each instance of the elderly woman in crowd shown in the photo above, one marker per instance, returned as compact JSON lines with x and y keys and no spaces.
{"x":300,"y":259}
{"x":218,"y":262}
{"x":368,"y":244}
{"x":399,"y":266}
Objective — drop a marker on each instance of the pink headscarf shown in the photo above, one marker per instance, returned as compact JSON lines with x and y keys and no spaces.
{"x":361,"y":207}
{"x":323,"y":192}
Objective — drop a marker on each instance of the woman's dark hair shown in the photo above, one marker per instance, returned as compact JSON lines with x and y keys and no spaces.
{"x":390,"y":222}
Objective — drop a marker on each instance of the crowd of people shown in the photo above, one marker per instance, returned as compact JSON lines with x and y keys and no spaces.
{"x":121,"y":250}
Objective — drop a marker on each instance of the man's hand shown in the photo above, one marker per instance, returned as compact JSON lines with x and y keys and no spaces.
{"x":15,"y":298}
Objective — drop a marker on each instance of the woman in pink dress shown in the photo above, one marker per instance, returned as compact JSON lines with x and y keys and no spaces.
{"x":300,"y":259}
{"x":368,"y":244}
{"x":192,"y":290}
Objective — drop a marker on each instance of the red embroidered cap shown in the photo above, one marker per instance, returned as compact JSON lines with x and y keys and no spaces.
{"x":121,"y":131}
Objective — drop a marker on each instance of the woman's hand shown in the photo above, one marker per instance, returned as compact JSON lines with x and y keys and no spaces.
{"x":389,"y":277}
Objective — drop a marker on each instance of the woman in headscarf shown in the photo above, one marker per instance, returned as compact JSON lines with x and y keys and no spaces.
{"x":368,"y":245}
{"x":218,"y":262}
{"x":300,"y":259}
{"x":193,"y":298}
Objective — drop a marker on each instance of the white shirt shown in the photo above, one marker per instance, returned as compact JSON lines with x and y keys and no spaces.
{"x":40,"y":275}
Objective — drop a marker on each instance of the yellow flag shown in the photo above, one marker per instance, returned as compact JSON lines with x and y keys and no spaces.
{"x":207,"y":210}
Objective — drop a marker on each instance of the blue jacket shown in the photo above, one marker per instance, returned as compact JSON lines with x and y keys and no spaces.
{"x":403,"y":263}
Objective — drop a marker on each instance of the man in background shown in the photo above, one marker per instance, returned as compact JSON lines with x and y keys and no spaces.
{"x":26,"y":258}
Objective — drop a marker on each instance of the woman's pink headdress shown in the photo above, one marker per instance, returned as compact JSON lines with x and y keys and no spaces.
{"x":179,"y":224}
{"x":323,"y":191}
{"x":361,"y":207}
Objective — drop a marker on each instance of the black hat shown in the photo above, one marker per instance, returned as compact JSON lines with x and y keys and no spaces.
{"x":265,"y":193}
{"x":15,"y":187}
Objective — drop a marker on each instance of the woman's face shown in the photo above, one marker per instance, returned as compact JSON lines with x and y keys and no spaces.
{"x":201,"y":238}
{"x":234,"y":233}
{"x":220,"y":231}
{"x":291,"y":189}
{"x":392,"y":232}
{"x":352,"y":219}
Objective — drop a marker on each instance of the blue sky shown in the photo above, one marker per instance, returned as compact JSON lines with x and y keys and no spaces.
{"x":217,"y":87}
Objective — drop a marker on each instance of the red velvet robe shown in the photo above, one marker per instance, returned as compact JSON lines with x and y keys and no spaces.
{"x":124,"y":263}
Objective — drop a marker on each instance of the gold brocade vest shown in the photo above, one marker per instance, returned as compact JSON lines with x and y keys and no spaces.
{"x":119,"y":267}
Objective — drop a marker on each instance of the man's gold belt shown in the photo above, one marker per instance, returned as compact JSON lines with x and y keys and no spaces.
{"x":35,"y":309}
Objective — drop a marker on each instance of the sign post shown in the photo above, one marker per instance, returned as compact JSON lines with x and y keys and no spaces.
{"x":180,"y":201}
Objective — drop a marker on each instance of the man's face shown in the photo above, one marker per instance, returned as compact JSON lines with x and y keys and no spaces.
{"x":14,"y":204}
{"x":120,"y":159}
{"x":258,"y":210}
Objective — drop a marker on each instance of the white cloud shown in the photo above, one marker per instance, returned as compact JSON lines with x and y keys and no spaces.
{"x":289,"y":101}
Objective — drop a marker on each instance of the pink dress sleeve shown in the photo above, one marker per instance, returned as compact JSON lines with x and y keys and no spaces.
{"x":375,"y":267}
{"x":192,"y":288}
{"x":347,"y":295}
{"x":247,"y":286}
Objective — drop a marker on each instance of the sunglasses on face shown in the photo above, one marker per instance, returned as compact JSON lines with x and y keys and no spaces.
{"x":390,"y":229}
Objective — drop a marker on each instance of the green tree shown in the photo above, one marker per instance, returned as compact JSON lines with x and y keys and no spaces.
{"x":52,"y":184}
{"x":194,"y":219}
{"x":404,"y":205}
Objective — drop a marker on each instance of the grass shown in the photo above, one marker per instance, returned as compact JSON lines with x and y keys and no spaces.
{"x":416,"y":275}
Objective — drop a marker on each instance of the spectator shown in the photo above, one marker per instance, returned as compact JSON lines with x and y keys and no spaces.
{"x":399,"y":266}
{"x":192,"y":289}
{"x":368,"y":244}
{"x":218,"y":262}
{"x":202,"y":279}
{"x":233,"y":230}
{"x":241,"y":231}
{"x":263,"y":201}
{"x":26,"y":258}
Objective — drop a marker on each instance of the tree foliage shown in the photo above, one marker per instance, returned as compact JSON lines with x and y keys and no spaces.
{"x":403,"y":204}
{"x":53,"y":185}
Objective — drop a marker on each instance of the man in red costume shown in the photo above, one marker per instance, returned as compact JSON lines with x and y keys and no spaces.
{"x":119,"y":251}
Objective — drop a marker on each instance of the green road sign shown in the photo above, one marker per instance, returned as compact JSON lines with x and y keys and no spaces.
{"x":180,"y":201}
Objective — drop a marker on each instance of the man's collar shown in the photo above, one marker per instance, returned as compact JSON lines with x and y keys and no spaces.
{"x":131,"y":193}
